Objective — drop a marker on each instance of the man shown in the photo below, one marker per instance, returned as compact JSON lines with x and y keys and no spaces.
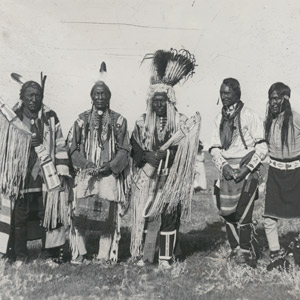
{"x":16,"y":147}
{"x":152,"y":130}
{"x":282,"y":132}
{"x":237,"y":149}
{"x":47,"y":145}
{"x":99,"y":149}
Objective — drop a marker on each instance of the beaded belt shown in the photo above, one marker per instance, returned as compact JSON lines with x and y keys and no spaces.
{"x":285,"y":165}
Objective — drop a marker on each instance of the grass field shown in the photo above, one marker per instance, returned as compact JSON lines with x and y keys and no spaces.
{"x":205,"y":272}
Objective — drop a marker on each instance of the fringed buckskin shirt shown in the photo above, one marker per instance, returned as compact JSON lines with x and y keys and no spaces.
{"x":84,"y":144}
{"x":53,"y":142}
{"x":253,"y":133}
{"x":275,"y":149}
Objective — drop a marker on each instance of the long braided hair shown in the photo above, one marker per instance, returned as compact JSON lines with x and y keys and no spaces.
{"x":285,"y":92}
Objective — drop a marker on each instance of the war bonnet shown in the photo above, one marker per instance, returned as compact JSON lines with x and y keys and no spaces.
{"x":168,"y":68}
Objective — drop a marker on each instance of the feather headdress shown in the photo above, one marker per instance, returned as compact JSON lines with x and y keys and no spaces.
{"x":169,"y":67}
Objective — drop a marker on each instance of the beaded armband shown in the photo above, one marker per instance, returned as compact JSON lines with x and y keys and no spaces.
{"x":220,"y":162}
{"x":254,"y":162}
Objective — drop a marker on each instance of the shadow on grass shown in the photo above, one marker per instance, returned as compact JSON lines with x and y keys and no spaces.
{"x":206,"y":240}
{"x":92,"y":243}
{"x":284,"y":240}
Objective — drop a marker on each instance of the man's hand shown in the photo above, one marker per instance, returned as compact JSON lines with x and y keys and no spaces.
{"x":228,"y":172}
{"x":36,"y":140}
{"x":90,"y":165}
{"x":161,"y":154}
{"x":124,"y":208}
{"x":63,"y":180}
{"x":153,"y":158}
{"x":105,"y":170}
{"x":240,"y":174}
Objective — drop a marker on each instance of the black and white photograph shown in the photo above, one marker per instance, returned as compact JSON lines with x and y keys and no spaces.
{"x":150,"y":149}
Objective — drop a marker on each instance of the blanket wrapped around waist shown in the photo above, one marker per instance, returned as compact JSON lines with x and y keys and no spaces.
{"x":283,"y":192}
{"x":229,"y":192}
{"x":94,"y":214}
{"x":105,"y":188}
{"x":96,"y":203}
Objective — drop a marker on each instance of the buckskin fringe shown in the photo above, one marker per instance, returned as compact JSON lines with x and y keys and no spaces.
{"x":56,"y":210}
{"x":14,"y":153}
{"x":178,"y":188}
{"x":52,"y":210}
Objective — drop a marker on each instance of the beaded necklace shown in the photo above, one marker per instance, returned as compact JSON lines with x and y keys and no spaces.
{"x":162,"y":128}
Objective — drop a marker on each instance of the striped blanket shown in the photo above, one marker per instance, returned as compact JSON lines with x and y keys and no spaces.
{"x":230,"y":192}
{"x":5,"y":217}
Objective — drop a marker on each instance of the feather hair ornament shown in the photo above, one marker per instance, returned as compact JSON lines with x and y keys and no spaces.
{"x":18,"y":78}
{"x":43,"y":80}
{"x":21,"y":80}
{"x":103,"y":75}
{"x":103,"y":68}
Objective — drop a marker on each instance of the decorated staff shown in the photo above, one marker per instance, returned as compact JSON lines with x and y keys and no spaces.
{"x":161,"y":139}
{"x":41,"y":199}
{"x":99,"y":149}
{"x":238,"y":147}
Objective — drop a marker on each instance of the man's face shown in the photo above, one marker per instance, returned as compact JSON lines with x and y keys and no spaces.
{"x":228,"y":96}
{"x":32,"y":99}
{"x":159,"y":104}
{"x":275,"y":103}
{"x":101,"y":97}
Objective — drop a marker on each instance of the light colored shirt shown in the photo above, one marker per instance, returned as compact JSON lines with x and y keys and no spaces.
{"x":275,"y":149}
{"x":253,"y":132}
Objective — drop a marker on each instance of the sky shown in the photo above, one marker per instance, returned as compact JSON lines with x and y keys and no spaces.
{"x":256,"y":42}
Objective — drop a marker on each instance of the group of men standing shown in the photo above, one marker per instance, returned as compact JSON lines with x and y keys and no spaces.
{"x":240,"y":143}
{"x":95,"y":178}
{"x":88,"y":176}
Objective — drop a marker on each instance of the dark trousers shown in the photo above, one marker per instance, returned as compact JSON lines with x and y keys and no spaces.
{"x":168,"y":239}
{"x":161,"y":232}
{"x":27,"y":210}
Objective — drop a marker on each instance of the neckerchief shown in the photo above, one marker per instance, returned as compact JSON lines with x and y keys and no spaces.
{"x":227,"y":125}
